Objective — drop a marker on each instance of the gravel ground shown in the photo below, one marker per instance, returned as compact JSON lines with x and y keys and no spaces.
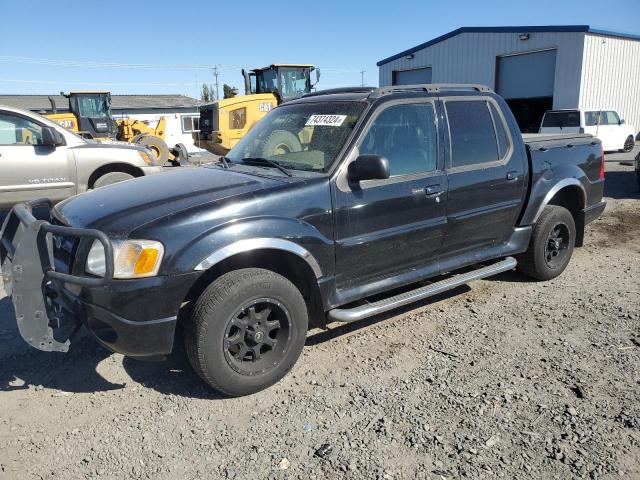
{"x":505,"y":378}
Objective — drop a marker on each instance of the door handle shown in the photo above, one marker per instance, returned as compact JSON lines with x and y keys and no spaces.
{"x":433,"y":190}
{"x":512,"y":176}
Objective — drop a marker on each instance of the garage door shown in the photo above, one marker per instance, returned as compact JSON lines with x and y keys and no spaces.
{"x":529,"y":75}
{"x":412,"y":77}
{"x":526,"y":81}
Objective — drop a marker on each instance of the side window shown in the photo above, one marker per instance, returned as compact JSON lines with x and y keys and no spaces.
{"x":612,"y":118}
{"x":407,"y":136}
{"x":503,"y":138}
{"x":591,"y":119}
{"x":190,"y":124}
{"x":237,"y":118}
{"x":473,"y":138}
{"x":16,"y":130}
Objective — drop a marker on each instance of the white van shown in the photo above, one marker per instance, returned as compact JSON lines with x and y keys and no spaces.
{"x":604,"y":124}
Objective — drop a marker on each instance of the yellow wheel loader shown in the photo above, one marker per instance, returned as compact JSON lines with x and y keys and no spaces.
{"x":89,"y":115}
{"x":224,"y":122}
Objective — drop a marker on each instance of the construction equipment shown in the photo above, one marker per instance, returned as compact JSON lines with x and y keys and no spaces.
{"x":224,"y":122}
{"x":90,"y":116}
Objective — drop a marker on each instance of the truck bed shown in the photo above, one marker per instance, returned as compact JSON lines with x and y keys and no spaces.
{"x":556,"y":139}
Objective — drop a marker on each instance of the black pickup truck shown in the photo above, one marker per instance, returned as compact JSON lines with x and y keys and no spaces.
{"x":337,"y":206}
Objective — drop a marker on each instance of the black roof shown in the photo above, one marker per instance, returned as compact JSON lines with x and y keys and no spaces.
{"x":131,"y":102}
{"x":372,"y":93}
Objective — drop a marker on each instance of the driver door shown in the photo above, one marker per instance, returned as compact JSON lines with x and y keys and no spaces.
{"x":29,"y":170}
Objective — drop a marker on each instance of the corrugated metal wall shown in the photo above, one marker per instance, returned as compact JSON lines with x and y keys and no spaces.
{"x":471,"y":58}
{"x":611,"y":76}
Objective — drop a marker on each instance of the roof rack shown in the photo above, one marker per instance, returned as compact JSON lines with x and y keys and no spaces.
{"x":331,"y":91}
{"x":429,"y":87}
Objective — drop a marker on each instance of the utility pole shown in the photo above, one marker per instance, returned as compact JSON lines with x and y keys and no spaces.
{"x":362,"y":75}
{"x":215,"y":74}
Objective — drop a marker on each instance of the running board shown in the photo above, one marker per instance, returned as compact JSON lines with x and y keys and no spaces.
{"x":347,"y":315}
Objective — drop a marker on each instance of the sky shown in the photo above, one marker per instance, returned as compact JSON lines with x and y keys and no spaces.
{"x":167,"y":46}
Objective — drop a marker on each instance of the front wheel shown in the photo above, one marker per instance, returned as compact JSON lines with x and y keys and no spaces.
{"x":551,"y":244}
{"x":247,"y":330}
{"x":629,"y":143}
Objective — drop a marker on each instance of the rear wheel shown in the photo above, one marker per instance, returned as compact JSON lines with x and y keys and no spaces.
{"x":247,"y":331}
{"x":629,"y":143}
{"x":551,"y":244}
{"x":111,"y":178}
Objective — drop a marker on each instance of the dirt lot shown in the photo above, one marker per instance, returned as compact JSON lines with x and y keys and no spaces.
{"x":506,"y":378}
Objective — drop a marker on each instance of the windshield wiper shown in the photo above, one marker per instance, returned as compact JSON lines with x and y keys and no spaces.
{"x":224,"y":161}
{"x":266,"y":161}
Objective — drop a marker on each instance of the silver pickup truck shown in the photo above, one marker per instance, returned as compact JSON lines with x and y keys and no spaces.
{"x":41,"y":159}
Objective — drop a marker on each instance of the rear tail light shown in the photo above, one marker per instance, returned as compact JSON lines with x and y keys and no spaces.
{"x":601,"y":162}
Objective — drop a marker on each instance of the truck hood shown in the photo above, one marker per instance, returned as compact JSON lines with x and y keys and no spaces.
{"x":123,"y":207}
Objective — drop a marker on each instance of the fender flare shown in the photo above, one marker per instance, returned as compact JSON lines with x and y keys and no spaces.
{"x":567,"y":182}
{"x":249,"y":244}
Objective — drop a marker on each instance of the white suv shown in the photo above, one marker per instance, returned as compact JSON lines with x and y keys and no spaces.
{"x":604,"y":124}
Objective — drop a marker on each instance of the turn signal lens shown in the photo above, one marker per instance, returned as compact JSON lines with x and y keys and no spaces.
{"x":132,"y":258}
{"x":601,"y":162}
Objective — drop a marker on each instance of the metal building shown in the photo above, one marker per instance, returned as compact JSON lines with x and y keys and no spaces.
{"x":535,"y":68}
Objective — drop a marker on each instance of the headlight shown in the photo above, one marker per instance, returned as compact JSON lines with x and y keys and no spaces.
{"x":132,"y":258}
{"x":148,"y":159}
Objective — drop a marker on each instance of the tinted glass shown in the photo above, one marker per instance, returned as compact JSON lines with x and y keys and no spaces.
{"x":569,"y":118}
{"x":591,"y":119}
{"x":503,"y":139}
{"x":304,"y":136}
{"x":15,"y":130}
{"x":405,"y":135}
{"x":473,"y":138}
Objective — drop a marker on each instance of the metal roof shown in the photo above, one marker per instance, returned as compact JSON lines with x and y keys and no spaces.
{"x":512,"y":29}
{"x":118,"y":102}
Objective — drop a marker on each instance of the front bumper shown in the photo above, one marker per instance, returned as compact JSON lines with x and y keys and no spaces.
{"x":134,"y":317}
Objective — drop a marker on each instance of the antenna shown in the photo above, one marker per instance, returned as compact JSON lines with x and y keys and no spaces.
{"x":215,"y":74}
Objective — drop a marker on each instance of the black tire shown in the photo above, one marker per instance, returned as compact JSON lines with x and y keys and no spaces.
{"x":111,"y":178}
{"x":281,"y":142}
{"x":540,"y":261}
{"x":629,"y":143}
{"x":157,"y":146}
{"x":215,"y":349}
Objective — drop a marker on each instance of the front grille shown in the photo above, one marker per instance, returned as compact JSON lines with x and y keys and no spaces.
{"x":63,"y":249}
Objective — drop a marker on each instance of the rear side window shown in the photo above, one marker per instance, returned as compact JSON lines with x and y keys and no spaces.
{"x":591,"y":119}
{"x":503,"y":139}
{"x":569,"y":118}
{"x":473,"y":137}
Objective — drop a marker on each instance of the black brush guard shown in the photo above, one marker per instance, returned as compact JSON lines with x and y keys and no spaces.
{"x":30,"y":278}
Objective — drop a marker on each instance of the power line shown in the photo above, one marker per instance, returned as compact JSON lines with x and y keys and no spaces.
{"x":139,"y":66}
{"x":112,"y":84}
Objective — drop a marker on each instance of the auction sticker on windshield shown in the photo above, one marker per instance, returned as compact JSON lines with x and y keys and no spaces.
{"x":326,"y":120}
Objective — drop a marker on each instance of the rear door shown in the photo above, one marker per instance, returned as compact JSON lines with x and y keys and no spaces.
{"x":616,"y":131}
{"x":29,"y":170}
{"x":388,"y":227}
{"x":592,"y":122}
{"x":486,"y":176}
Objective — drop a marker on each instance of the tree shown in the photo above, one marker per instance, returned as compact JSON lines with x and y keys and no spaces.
{"x":207,"y":93}
{"x":229,"y":91}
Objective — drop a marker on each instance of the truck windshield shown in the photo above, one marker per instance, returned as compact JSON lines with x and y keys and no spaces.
{"x":294,"y":82}
{"x":300,"y":137}
{"x":93,"y":107}
{"x":569,"y":118}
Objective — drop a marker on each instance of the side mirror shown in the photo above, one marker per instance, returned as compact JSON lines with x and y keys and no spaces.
{"x":621,"y":121}
{"x":369,"y":167}
{"x":52,"y":137}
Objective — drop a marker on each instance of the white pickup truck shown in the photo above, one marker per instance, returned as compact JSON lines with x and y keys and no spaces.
{"x":41,"y":159}
{"x":607,"y":125}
